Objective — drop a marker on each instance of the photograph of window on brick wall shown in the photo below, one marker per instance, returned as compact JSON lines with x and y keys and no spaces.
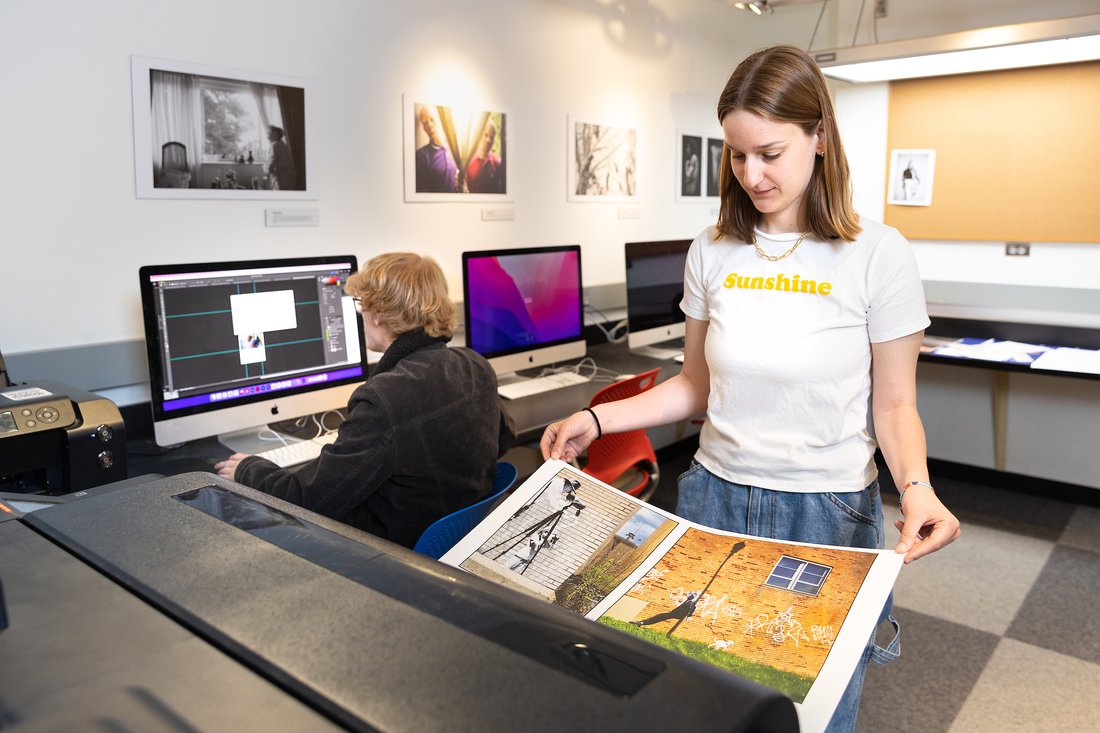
{"x":766,"y":610}
{"x":571,"y":543}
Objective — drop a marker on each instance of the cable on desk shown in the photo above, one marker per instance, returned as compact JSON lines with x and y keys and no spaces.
{"x":322,"y":429}
{"x":586,"y":367}
{"x":609,"y":334}
{"x":315,"y":422}
{"x":267,"y":434}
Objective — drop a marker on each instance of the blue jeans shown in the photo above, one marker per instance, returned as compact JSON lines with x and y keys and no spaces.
{"x":847,"y":520}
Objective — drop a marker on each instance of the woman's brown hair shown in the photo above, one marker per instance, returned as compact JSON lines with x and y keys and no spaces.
{"x":783,"y":84}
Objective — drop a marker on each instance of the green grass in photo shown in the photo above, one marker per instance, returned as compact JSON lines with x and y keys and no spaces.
{"x":792,"y":685}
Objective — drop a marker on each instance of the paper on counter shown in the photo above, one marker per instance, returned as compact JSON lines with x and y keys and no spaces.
{"x":1083,"y":361}
{"x":1014,"y":352}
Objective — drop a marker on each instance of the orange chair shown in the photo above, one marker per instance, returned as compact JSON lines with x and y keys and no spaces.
{"x":625,"y":460}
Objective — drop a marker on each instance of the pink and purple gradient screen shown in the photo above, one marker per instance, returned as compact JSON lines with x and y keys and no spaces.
{"x":523,"y":301}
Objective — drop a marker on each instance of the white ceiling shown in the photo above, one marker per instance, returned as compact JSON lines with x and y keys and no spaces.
{"x":653,"y":26}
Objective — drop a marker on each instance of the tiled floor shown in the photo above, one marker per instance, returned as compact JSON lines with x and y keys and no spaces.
{"x":1001,"y":630}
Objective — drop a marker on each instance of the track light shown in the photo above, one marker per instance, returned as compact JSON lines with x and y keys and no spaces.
{"x":758,"y":7}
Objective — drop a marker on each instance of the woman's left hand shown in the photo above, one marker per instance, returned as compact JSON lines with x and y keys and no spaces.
{"x":928,"y":525}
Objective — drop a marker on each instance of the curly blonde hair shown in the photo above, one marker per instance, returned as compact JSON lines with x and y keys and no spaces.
{"x":405,"y":291}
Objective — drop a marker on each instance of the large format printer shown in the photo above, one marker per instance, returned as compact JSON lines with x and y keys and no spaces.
{"x":191,"y":603}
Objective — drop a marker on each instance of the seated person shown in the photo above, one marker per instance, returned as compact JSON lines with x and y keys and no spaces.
{"x":423,"y":432}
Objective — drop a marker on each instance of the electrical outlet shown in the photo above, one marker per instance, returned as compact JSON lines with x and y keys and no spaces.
{"x":1017,"y":249}
{"x":880,"y":8}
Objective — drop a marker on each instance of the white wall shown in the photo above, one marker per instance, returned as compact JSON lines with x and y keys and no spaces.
{"x":74,"y":233}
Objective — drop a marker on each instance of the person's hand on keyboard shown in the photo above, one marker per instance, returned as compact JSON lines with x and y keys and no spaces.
{"x":227,"y":469}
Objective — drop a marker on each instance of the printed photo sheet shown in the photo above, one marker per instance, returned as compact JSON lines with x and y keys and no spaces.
{"x":795,"y":617}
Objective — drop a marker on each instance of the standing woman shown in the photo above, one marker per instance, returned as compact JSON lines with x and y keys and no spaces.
{"x":798,"y":316}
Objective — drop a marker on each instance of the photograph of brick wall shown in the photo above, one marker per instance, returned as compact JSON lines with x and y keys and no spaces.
{"x":767,"y":610}
{"x":572,"y":543}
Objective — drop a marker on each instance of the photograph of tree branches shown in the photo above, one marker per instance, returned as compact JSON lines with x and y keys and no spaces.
{"x":603,"y":162}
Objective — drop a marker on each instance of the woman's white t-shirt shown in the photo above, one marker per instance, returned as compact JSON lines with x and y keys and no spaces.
{"x":789,"y":351}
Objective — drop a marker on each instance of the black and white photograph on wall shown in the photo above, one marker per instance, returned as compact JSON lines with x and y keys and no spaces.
{"x":694,"y":168}
{"x":210,"y":132}
{"x":603,"y":162}
{"x":714,"y":165}
{"x":690,"y":166}
{"x":911,"y":173}
{"x":453,"y":153}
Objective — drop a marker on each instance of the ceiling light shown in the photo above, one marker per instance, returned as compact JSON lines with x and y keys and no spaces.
{"x":759,"y":7}
{"x":1041,"y":43}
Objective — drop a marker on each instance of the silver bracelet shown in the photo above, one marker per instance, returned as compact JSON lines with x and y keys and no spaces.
{"x":913,"y":483}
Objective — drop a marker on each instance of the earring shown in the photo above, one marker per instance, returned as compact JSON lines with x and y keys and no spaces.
{"x":821,"y":153}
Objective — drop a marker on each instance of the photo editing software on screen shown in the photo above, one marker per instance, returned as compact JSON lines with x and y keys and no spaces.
{"x":231,"y":335}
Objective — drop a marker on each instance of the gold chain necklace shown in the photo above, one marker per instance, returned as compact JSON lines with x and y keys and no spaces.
{"x":776,"y":258}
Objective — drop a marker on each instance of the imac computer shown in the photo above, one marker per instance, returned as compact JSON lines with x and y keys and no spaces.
{"x":236,"y":345}
{"x":524,"y":308}
{"x":654,"y":289}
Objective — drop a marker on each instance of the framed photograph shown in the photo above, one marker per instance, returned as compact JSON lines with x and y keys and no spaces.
{"x":911,"y":175}
{"x":602,"y":163}
{"x":454,"y":154}
{"x":697,"y":170}
{"x":205,"y":132}
{"x":713,"y":165}
{"x":689,"y":165}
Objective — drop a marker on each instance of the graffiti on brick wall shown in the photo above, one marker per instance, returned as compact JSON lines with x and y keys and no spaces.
{"x":711,"y":607}
{"x":653,"y":575}
{"x":823,"y":634}
{"x":780,"y":628}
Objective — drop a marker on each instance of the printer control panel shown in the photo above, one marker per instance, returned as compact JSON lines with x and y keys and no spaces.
{"x":32,"y":409}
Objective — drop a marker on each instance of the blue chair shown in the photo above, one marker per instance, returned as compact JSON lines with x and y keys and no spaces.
{"x":444,"y":533}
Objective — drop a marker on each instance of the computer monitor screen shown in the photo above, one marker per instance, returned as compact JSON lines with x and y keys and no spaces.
{"x":654,"y":289}
{"x":235,"y":345}
{"x":524,"y":307}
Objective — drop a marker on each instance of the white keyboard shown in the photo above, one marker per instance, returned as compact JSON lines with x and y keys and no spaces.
{"x":657,"y":352}
{"x":292,"y":454}
{"x":538,"y":385}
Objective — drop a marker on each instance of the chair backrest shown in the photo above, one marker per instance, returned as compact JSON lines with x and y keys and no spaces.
{"x":173,"y":157}
{"x":444,"y":533}
{"x":614,"y":453}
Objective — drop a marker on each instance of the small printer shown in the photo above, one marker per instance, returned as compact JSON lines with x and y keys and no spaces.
{"x":59,"y":439}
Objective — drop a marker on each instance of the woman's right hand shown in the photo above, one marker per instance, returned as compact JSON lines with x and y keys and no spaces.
{"x":566,"y":439}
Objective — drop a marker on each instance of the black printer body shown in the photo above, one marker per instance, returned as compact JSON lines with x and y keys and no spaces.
{"x":58,"y":439}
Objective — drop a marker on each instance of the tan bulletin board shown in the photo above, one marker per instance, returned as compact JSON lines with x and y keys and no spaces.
{"x":1017,"y":154}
